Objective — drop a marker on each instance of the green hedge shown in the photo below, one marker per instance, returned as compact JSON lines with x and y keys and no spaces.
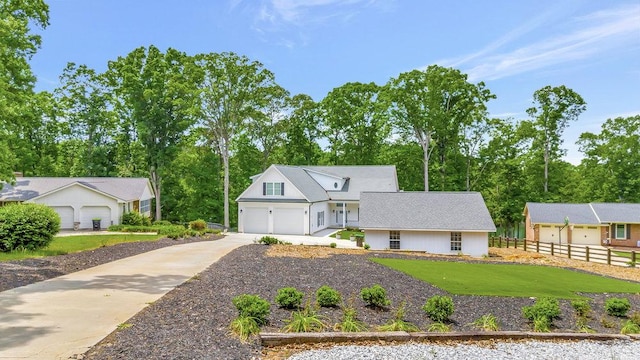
{"x":27,"y":226}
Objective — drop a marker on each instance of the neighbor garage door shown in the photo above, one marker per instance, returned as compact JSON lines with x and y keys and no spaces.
{"x":288,"y":221}
{"x":585,"y":235}
{"x":66,"y":216}
{"x":88,"y":213}
{"x":255,"y":220}
{"x":548,"y":233}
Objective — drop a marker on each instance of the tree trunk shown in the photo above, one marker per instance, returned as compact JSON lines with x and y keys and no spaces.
{"x":546,"y":166}
{"x":425,"y":151}
{"x":155,"y":182}
{"x":225,"y":159}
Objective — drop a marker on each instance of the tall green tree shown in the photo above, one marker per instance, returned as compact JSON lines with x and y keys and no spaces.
{"x":430,"y":106}
{"x":17,"y":45}
{"x":354,"y":125}
{"x":611,"y":166}
{"x":232,"y":92}
{"x":554,"y":108}
{"x":301,"y":132}
{"x":158,"y":90}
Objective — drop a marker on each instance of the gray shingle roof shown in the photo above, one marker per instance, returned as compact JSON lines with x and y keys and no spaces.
{"x":433,"y":210}
{"x":26,"y":188}
{"x":361,"y":178}
{"x":554,"y":213}
{"x":303,"y":182}
{"x":615,"y":212}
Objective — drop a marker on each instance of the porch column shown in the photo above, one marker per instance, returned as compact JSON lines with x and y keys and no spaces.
{"x":344,"y":215}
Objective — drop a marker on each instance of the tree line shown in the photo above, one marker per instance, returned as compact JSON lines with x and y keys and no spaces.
{"x":199,"y":126}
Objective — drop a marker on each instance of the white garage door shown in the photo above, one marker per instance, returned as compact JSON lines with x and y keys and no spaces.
{"x":255,"y":220}
{"x":549,"y":234}
{"x":88,"y":213}
{"x":66,"y":216}
{"x":288,"y":221}
{"x":585,"y":235}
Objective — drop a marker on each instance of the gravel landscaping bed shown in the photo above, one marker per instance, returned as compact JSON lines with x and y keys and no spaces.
{"x":191,"y":322}
{"x":24,"y":272}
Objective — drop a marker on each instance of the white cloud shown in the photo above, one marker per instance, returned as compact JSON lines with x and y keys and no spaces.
{"x":594,"y":34}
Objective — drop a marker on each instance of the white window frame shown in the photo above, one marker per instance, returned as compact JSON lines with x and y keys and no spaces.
{"x":624,"y":231}
{"x":273,"y":189}
{"x":145,"y":206}
{"x":394,"y":244}
{"x":456,"y":241}
{"x":394,"y":235}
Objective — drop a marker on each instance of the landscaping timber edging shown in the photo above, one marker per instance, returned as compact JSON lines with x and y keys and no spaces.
{"x":278,"y":339}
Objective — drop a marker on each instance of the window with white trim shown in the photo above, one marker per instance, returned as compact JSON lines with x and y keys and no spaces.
{"x":273,"y":188}
{"x":320,"y":218}
{"x":394,"y":235}
{"x":394,"y":240}
{"x":456,"y":241}
{"x":145,"y":206}
{"x":621,"y":231}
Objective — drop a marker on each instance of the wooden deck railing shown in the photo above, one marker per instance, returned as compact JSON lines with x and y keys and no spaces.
{"x":588,"y":253}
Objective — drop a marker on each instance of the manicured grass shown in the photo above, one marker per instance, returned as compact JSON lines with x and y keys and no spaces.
{"x":508,"y":280}
{"x":346,"y":234}
{"x":70,"y":244}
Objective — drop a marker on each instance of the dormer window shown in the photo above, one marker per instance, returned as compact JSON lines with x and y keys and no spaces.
{"x":272,"y":188}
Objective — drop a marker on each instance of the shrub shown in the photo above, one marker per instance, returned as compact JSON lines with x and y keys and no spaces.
{"x":548,"y":308}
{"x":162,"y":223}
{"x":198,"y":225}
{"x":269,"y":240}
{"x":541,"y":324}
{"x":27,"y":226}
{"x":333,"y":245}
{"x":252,"y":306}
{"x":438,"y":308}
{"x":630,"y":327}
{"x":133,"y":218}
{"x":367,"y":246}
{"x":635,"y":317}
{"x":581,"y":307}
{"x":375,"y":296}
{"x":289,"y":298}
{"x":617,"y":306}
{"x":328,"y":296}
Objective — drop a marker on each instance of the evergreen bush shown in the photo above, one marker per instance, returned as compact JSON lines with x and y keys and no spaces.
{"x":27,"y":226}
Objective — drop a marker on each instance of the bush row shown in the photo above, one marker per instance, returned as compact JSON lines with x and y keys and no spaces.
{"x":173,"y":231}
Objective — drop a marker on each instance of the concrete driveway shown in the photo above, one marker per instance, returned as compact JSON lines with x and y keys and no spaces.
{"x":64,"y":316}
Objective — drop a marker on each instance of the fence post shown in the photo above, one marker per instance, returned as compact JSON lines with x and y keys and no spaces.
{"x":608,"y":256}
{"x":551,"y":249}
{"x":515,"y":243}
{"x":538,"y":246}
{"x":587,"y":253}
{"x":507,"y":242}
{"x":633,"y":256}
{"x":500,"y":242}
{"x":569,"y":250}
{"x":525,"y":244}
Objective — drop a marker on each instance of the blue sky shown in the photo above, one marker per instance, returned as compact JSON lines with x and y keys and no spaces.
{"x":313,"y":46}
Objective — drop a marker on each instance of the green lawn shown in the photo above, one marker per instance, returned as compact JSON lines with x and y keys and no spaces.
{"x":508,"y":280}
{"x":346,"y":234}
{"x":69,"y":244}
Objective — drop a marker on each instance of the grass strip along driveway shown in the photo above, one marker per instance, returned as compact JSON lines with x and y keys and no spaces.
{"x":69,"y":244}
{"x":462,"y":278}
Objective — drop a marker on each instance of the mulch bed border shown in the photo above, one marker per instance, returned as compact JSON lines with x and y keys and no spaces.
{"x":279,"y":339}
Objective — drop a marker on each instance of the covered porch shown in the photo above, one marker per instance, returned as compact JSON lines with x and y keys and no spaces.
{"x":344,"y":214}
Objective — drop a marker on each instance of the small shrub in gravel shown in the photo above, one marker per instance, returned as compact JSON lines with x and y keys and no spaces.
{"x":630,"y":327}
{"x":198,"y":225}
{"x":582,"y":307}
{"x":545,"y":307}
{"x":438,"y":327}
{"x":289,"y":298}
{"x":439,"y":308}
{"x":269,"y":240}
{"x":333,"y":245}
{"x":635,"y":317}
{"x":349,"y":321}
{"x":244,"y":327}
{"x":327,"y":296}
{"x":617,"y":306}
{"x":367,"y":246}
{"x":375,"y":296}
{"x":252,"y":306}
{"x":541,"y":324}
{"x":487,"y":322}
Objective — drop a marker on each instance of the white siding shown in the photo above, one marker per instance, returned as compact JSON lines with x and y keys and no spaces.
{"x":254,"y":191}
{"x":313,"y":220}
{"x":327,"y":182}
{"x":78,"y":196}
{"x":435,"y":242}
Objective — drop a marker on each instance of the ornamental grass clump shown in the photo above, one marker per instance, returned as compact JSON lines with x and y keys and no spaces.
{"x":375,"y":297}
{"x":439,"y":308}
{"x":289,"y":298}
{"x":487,"y":322}
{"x":305,"y":320}
{"x":327,"y":296}
{"x":349,"y":321}
{"x":398,"y":323}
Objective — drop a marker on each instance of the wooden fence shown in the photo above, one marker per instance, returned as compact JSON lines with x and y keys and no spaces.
{"x":597,"y":254}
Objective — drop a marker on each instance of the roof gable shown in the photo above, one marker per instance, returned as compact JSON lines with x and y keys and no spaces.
{"x":583,"y":214}
{"x":433,"y":210}
{"x":28,"y":188}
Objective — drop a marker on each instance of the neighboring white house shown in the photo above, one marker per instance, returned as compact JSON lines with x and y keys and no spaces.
{"x":434,"y":222}
{"x":79,"y":200}
{"x":305,"y":199}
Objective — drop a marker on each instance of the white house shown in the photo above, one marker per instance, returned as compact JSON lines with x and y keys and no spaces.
{"x":305,"y":199}
{"x":79,"y":200}
{"x":434,"y":222}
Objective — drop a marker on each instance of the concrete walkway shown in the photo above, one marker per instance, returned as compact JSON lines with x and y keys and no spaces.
{"x":64,"y":316}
